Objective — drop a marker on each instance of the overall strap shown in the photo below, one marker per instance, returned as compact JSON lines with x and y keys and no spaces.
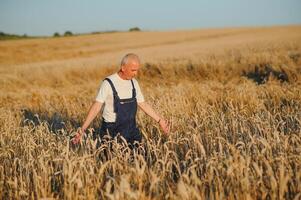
{"x":133,"y":90}
{"x":112,"y":86}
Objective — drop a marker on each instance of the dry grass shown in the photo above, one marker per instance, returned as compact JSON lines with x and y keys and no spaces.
{"x":231,"y":137}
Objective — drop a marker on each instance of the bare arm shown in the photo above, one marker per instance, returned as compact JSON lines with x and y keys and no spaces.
{"x":93,"y":111}
{"x":150,"y":112}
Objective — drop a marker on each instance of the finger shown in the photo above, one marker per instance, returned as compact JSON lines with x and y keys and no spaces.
{"x":168,"y":127}
{"x":168,"y":124}
{"x":77,"y":141}
{"x":165,"y":123}
{"x":165,"y":126}
{"x":74,"y":140}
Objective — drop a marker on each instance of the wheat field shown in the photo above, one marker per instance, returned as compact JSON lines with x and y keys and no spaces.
{"x":233,"y":96}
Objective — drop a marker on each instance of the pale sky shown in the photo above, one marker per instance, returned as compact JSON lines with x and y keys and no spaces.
{"x":44,"y":17}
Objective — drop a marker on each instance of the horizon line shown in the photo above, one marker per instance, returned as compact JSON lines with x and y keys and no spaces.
{"x":150,"y":30}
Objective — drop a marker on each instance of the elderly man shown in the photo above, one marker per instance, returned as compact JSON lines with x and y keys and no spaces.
{"x":120,"y":94}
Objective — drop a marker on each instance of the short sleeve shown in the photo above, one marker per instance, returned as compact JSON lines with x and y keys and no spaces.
{"x":103,"y":92}
{"x":139,"y":95}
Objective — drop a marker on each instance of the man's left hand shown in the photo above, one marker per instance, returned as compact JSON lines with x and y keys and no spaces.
{"x":165,"y":125}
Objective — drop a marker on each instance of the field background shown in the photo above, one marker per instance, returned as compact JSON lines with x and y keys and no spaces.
{"x":236,"y":124}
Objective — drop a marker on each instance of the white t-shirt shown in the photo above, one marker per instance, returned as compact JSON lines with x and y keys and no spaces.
{"x":124,"y":91}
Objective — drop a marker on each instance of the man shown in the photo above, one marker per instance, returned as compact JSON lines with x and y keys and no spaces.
{"x":120,"y":94}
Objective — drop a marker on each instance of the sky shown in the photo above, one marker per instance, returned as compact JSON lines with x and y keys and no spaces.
{"x":45,"y":17}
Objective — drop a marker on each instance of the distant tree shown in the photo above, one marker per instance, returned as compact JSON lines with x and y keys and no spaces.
{"x":134,"y":29}
{"x":68,"y":33}
{"x":56,"y":34}
{"x":7,"y":36}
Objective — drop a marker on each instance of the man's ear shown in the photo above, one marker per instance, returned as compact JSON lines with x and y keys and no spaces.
{"x":122,"y":68}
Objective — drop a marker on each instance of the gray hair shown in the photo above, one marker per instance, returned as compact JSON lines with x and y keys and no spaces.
{"x":128,"y":57}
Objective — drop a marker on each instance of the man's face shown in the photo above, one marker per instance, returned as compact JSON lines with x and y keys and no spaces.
{"x":130,"y":70}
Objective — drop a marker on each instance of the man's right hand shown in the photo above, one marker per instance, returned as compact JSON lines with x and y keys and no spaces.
{"x":95,"y":108}
{"x":77,"y":138}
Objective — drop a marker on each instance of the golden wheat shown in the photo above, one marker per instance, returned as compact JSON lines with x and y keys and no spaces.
{"x":231,"y":138}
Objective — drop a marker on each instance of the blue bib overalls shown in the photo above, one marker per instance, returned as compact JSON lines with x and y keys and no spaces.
{"x":125,"y":123}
